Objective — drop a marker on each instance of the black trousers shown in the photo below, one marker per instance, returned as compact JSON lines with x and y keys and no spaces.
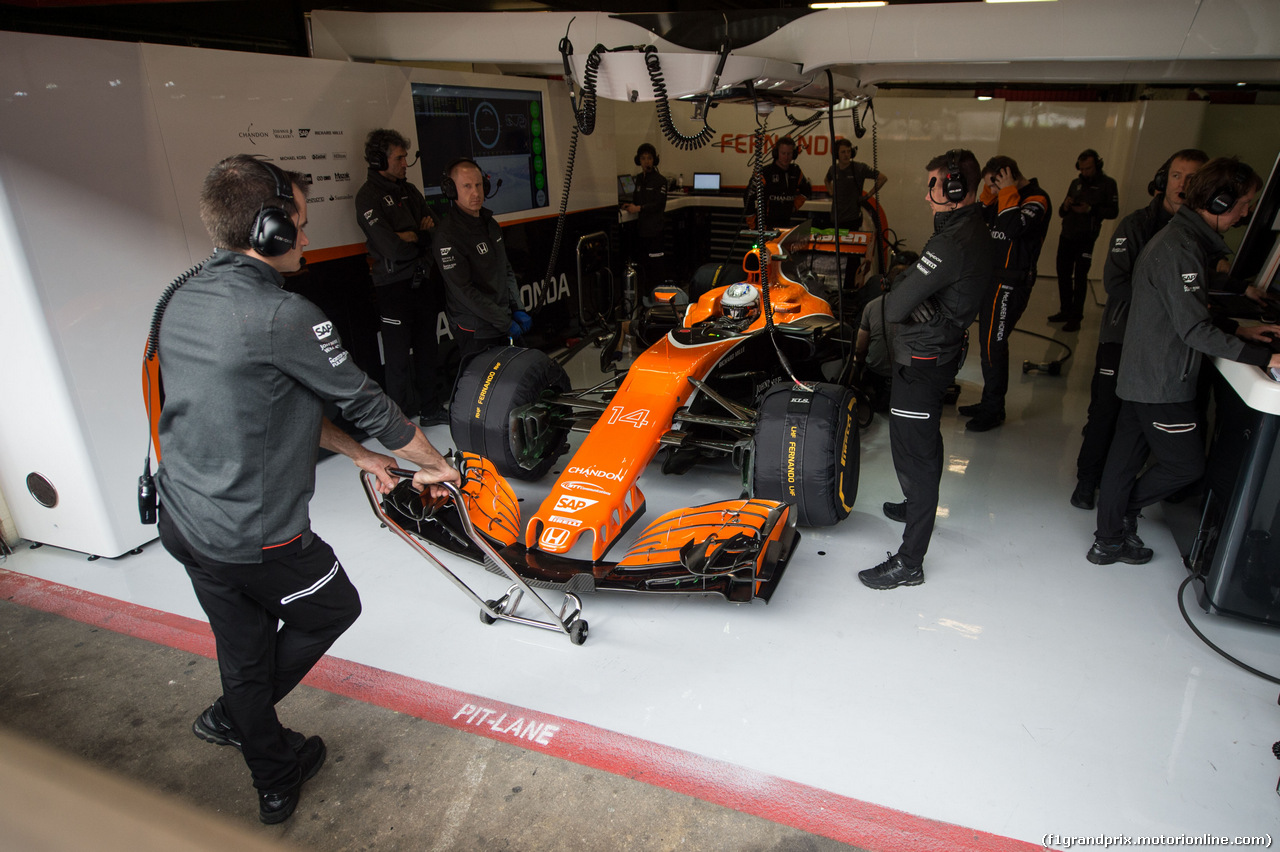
{"x":1104,"y":410}
{"x":997,"y":316}
{"x":1171,"y":433}
{"x":410,"y":351}
{"x":653,"y":263}
{"x":272,"y":622}
{"x":1075,"y":256}
{"x":915,"y":436}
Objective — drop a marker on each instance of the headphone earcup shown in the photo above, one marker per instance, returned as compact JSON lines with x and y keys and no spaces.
{"x":1222,"y":202}
{"x":377,"y":160}
{"x":1160,"y":182}
{"x":273,"y":233}
{"x":448,"y":188}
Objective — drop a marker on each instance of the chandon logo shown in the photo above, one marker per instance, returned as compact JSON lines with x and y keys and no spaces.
{"x":596,"y":473}
{"x":253,"y":135}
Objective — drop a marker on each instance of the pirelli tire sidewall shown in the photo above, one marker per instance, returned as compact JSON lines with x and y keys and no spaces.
{"x":806,"y":451}
{"x":491,"y":386}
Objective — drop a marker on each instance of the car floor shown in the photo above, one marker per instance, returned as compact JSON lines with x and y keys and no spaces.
{"x":1021,"y":692}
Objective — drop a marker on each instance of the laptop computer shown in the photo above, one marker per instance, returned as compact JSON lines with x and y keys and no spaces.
{"x":706,"y":183}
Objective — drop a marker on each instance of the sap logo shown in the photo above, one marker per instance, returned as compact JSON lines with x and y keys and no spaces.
{"x":1121,"y":241}
{"x":572,"y":505}
{"x":303,"y":132}
{"x":578,"y":485}
{"x":1189,"y":277}
{"x":554,"y":537}
{"x":322,"y":330}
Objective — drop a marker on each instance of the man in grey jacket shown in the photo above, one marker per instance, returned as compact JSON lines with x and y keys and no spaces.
{"x":248,"y":368}
{"x":934,"y":302}
{"x":1169,"y":332}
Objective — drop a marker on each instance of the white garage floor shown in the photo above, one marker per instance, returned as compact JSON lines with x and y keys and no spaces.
{"x":1021,"y":691}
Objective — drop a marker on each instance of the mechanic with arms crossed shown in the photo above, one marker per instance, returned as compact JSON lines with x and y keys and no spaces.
{"x":934,"y":302}
{"x":1017,"y":210}
{"x":1091,"y":198}
{"x":248,"y":368}
{"x":1130,"y":238}
{"x":481,"y":294}
{"x":393,"y":216}
{"x":1170,"y":331}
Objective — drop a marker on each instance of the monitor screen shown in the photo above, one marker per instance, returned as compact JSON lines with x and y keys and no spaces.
{"x":706,"y":181}
{"x":501,"y":129}
{"x":1257,"y":257}
{"x":626,"y":186}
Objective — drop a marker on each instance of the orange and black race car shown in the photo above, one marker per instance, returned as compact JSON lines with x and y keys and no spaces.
{"x":755,"y":371}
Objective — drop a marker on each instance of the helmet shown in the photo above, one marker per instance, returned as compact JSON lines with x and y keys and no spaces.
{"x":741,"y":301}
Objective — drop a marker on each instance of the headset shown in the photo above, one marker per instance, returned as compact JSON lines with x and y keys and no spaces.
{"x":853,"y":149}
{"x":274,"y":232}
{"x":1226,"y":197}
{"x":1160,"y":182}
{"x":450,"y":189}
{"x":376,"y":158}
{"x":1086,"y":154}
{"x":645,"y":147}
{"x":786,"y":140}
{"x":954,"y":185}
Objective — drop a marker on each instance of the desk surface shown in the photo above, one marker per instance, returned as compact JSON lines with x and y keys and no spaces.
{"x":1255,"y":387}
{"x":680,"y":201}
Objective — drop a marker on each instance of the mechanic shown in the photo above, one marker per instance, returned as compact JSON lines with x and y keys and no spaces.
{"x":845,"y":181}
{"x":934,"y":302}
{"x":785,"y":188}
{"x":248,"y":368}
{"x":875,"y":366}
{"x":649,"y":201}
{"x":481,"y":293}
{"x":1169,"y":332}
{"x":1091,"y":198}
{"x":393,"y":216}
{"x":1130,"y":237}
{"x":1017,"y":210}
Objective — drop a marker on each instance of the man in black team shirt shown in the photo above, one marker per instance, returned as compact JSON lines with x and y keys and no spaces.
{"x":933,"y":302}
{"x":1092,"y":197}
{"x":785,"y":188}
{"x":248,"y":368}
{"x":1170,"y":331}
{"x":649,"y":202}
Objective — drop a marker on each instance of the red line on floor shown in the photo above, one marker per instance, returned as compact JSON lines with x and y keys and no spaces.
{"x":801,"y":806}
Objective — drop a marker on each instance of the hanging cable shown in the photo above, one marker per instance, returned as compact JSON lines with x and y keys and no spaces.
{"x":673,"y":135}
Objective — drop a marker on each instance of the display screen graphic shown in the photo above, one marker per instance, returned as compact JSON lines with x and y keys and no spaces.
{"x":501,"y":129}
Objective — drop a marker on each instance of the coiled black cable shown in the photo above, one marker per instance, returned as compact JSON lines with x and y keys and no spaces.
{"x":663,"y":105}
{"x":157,"y":316}
{"x":564,"y":205}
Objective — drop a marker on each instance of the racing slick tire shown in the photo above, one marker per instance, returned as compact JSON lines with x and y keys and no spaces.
{"x":806,"y":451}
{"x":481,"y":417}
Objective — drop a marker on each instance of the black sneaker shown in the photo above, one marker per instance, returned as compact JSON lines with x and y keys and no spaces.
{"x":890,"y":574}
{"x":1082,"y":497}
{"x":896,"y":511}
{"x":1072,"y":325}
{"x":276,"y":806}
{"x":970,"y":410}
{"x":212,"y":726}
{"x":1107,"y":554}
{"x":434,"y":417}
{"x":1060,"y":316}
{"x":984,"y":421}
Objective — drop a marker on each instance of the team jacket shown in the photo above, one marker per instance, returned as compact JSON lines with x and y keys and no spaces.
{"x":955,"y":268}
{"x":480,"y":287}
{"x":1170,"y":329}
{"x":651,"y":196}
{"x":248,"y":368}
{"x":384,"y":207}
{"x":1019,"y":220}
{"x":781,"y":186}
{"x":1131,"y":236}
{"x":1103,"y":198}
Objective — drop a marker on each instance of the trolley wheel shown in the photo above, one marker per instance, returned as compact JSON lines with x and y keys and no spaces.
{"x":485,"y":617}
{"x":578,"y":631}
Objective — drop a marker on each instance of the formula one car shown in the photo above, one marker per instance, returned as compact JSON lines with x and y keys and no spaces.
{"x":738,"y":374}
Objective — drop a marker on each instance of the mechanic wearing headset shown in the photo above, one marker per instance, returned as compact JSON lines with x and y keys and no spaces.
{"x":393,"y":216}
{"x":649,"y":201}
{"x":934,"y":302}
{"x":248,"y":368}
{"x":1170,"y":330}
{"x":1131,"y":236}
{"x":1017,"y":210}
{"x":481,"y":293}
{"x":785,"y":188}
{"x":1092,"y":197}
